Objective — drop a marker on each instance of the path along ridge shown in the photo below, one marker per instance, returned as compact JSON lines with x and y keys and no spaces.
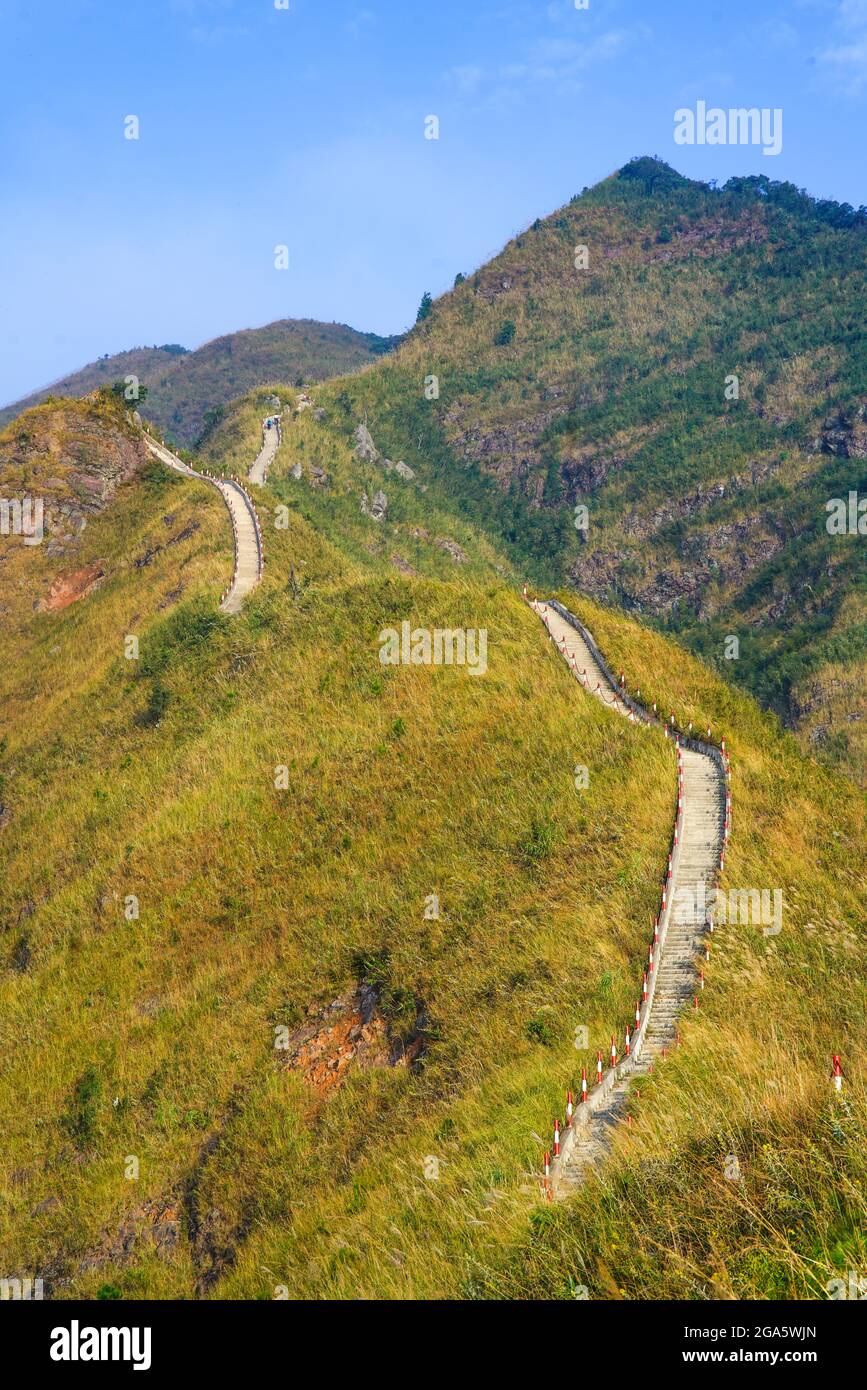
{"x":672,"y":978}
{"x":247,"y":534}
{"x":272,"y":438}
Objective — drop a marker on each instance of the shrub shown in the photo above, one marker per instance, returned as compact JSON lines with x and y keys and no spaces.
{"x":538,"y":1030}
{"x":155,"y":708}
{"x":80,"y":1119}
{"x":187,"y":630}
{"x":540,"y":838}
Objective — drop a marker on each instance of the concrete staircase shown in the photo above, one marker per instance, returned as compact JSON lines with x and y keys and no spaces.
{"x":249,"y":559}
{"x":674,"y":981}
{"x":271,"y":440}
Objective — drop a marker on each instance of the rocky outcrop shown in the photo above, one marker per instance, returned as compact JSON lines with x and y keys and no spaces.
{"x":377,"y":508}
{"x":73,"y":457}
{"x":349,"y":1034}
{"x":152,"y":1228}
{"x":402,"y":565}
{"x":458,"y":554}
{"x":584,"y":473}
{"x":491,"y":283}
{"x":68,"y":588}
{"x":845,"y":435}
{"x":727,"y":554}
{"x":367,"y":452}
{"x":365,"y":449}
{"x":511,"y":451}
{"x":402,"y":469}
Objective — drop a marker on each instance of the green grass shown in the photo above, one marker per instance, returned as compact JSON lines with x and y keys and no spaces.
{"x":152,"y":1036}
{"x":606,"y":387}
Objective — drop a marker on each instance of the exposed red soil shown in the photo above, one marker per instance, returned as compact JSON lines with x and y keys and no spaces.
{"x":70,"y":587}
{"x":350,"y":1033}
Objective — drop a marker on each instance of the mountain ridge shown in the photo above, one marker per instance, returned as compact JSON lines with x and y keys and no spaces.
{"x":252,"y":832}
{"x":699,"y":385}
{"x":187,"y":386}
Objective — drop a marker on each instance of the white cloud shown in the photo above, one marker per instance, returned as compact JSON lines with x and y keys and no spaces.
{"x":359,"y":21}
{"x":778,"y":33}
{"x":553,"y":62}
{"x":844,"y":60}
{"x":466,"y":77}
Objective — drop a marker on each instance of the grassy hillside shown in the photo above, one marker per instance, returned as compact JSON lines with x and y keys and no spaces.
{"x":188,"y":389}
{"x":611,"y":387}
{"x":170,"y":1145}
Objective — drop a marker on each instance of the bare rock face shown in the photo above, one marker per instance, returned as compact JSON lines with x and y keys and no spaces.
{"x":511,"y":453}
{"x":845,"y":435}
{"x":377,"y":508}
{"x":365,"y":449}
{"x":296,"y":471}
{"x":458,"y":554}
{"x":67,"y":588}
{"x":379,"y":505}
{"x":402,"y":469}
{"x":72,"y":457}
{"x":586,"y":472}
{"x":349,"y":1034}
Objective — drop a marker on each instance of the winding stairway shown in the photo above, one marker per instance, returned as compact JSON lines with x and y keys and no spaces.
{"x":271,"y":440}
{"x":701,"y":829}
{"x":249,"y":557}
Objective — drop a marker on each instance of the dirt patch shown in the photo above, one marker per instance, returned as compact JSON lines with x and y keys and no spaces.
{"x":403,"y":565}
{"x":155,"y":1225}
{"x":68,"y":588}
{"x":458,"y":554}
{"x":153,"y":551}
{"x":348,"y":1034}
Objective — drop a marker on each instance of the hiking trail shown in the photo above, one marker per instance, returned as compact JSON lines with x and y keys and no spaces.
{"x":699,"y":840}
{"x":271,"y":440}
{"x":247,"y":535}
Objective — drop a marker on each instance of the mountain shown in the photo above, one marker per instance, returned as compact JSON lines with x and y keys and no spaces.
{"x":688,"y":364}
{"x":297,"y":973}
{"x":186,"y":389}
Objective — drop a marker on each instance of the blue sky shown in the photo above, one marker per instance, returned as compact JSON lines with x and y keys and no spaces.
{"x":304,"y":127}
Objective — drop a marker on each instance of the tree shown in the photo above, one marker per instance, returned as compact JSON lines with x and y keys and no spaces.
{"x":425,"y":307}
{"x":132,"y":395}
{"x":505,"y":335}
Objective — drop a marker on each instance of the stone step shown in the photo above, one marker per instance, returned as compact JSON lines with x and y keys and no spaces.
{"x":701,"y":840}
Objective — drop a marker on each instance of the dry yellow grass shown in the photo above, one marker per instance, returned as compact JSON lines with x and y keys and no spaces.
{"x":153,"y":1037}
